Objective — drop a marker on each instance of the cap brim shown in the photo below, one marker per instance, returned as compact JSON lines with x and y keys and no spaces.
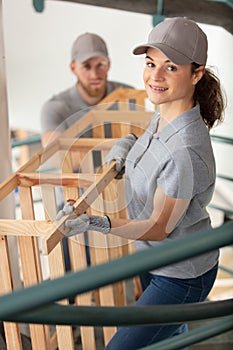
{"x":86,"y":56}
{"x":173,"y":55}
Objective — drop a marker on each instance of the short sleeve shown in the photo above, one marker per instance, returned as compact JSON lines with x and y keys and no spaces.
{"x":52,"y":116}
{"x":184,"y":175}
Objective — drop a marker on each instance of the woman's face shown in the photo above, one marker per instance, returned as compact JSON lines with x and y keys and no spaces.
{"x":169,"y":83}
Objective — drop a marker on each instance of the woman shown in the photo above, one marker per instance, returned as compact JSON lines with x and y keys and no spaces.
{"x":170,"y":173}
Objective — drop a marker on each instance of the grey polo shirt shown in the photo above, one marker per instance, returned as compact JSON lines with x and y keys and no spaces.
{"x":65,"y":108}
{"x":179,"y":159}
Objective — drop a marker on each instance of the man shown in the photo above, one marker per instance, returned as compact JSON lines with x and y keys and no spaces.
{"x":90,"y":64}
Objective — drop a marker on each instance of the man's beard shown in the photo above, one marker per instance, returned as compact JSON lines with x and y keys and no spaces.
{"x":94,"y":92}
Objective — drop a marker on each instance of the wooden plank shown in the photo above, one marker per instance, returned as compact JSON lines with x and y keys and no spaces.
{"x":57,"y":269}
{"x":27,"y":228}
{"x":81,"y":205}
{"x":79,"y":262}
{"x":7,"y":186}
{"x":66,"y":179}
{"x":99,"y":250}
{"x":12,"y":334}
{"x":71,"y":161}
{"x":31,"y":268}
{"x":123,"y":116}
{"x":78,"y":126}
{"x":98,"y":129}
{"x":32,"y":164}
{"x":137,"y":120}
{"x":98,"y":143}
{"x":112,"y":206}
{"x":100,"y":243}
{"x":138,"y":95}
{"x":21,"y":134}
{"x":64,"y":335}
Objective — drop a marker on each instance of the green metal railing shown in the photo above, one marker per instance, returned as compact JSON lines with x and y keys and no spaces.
{"x":26,"y":142}
{"x":228,"y":213}
{"x":36,"y":304}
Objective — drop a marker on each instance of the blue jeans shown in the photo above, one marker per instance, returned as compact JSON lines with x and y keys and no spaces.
{"x":163,"y":291}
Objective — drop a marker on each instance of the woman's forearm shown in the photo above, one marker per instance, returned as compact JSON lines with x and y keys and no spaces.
{"x":144,"y":230}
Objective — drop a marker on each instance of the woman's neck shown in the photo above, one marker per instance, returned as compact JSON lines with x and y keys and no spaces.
{"x":171,"y":111}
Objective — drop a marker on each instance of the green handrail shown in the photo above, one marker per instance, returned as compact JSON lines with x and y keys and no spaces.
{"x":123,"y":316}
{"x":227,"y":140}
{"x":36,"y":304}
{"x":194,"y":336}
{"x":75,"y":283}
{"x":227,"y":212}
{"x":222,"y":139}
{"x":28,"y":141}
{"x":37,"y":138}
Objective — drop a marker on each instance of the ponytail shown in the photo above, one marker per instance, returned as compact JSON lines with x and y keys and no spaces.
{"x":210,"y":98}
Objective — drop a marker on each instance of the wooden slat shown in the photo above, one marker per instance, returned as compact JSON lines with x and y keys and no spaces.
{"x":8,"y":186}
{"x":81,"y":205}
{"x":102,"y":247}
{"x":71,"y":179}
{"x":12,"y":335}
{"x":31,"y":268}
{"x":79,"y":125}
{"x":98,"y":143}
{"x":57,"y":269}
{"x":27,"y":228}
{"x":112,"y":208}
{"x":100,"y":244}
{"x":119,"y":116}
{"x":79,"y":262}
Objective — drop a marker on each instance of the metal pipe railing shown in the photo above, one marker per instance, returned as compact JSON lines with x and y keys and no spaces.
{"x":194,"y":336}
{"x":36,"y":304}
{"x":123,"y":316}
{"x":222,"y":139}
{"x":75,"y":283}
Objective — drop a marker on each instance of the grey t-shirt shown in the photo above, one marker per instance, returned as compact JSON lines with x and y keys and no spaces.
{"x":65,"y":108}
{"x":180,"y":161}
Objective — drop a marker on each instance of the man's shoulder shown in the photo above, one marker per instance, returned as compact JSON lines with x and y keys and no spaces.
{"x":65,"y":102}
{"x":61,"y":96}
{"x":113,"y":85}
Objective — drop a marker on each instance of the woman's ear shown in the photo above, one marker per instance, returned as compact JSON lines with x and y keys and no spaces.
{"x":198,"y":74}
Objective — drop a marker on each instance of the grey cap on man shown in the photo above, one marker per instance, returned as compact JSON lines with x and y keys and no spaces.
{"x":180,"y":39}
{"x":88,"y":45}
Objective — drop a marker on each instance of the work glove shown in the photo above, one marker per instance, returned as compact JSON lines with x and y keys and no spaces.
{"x":120,"y":150}
{"x":83,"y":222}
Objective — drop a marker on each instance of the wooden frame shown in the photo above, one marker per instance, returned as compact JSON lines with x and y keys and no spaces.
{"x":94,"y":190}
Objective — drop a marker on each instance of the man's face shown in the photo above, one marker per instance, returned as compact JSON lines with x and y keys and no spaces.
{"x":92,"y":75}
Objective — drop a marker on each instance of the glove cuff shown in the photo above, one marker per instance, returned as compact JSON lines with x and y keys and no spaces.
{"x":132,"y":137}
{"x":100,"y":223}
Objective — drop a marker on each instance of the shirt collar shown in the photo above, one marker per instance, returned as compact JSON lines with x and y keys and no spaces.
{"x":177,"y":124}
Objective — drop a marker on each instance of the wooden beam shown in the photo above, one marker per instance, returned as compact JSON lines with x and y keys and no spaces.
{"x":64,"y":179}
{"x":29,"y":228}
{"x":81,"y":205}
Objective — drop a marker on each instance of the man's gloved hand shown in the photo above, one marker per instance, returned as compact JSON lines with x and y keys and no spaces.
{"x":84,"y":222}
{"x":120,"y":150}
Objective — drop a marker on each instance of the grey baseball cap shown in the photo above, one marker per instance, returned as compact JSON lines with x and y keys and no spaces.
{"x":180,"y":39}
{"x":88,"y":45}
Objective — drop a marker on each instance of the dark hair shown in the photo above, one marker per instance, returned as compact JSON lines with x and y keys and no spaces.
{"x":209,"y":95}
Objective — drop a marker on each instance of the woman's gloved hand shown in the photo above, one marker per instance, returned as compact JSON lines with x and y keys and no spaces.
{"x":83,"y":222}
{"x":120,"y":150}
